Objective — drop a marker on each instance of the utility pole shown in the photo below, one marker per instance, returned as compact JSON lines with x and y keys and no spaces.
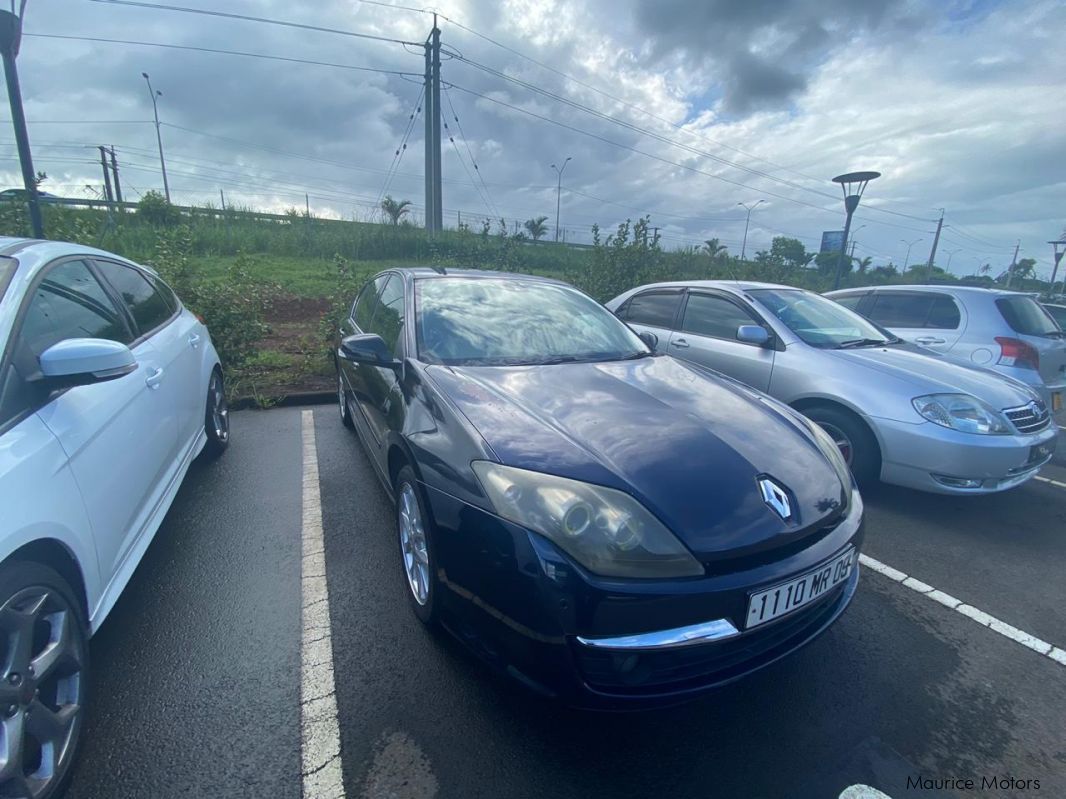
{"x":747,"y":221}
{"x":114,"y":174}
{"x":434,"y":199}
{"x":222,"y":198}
{"x":158,"y":136}
{"x":932,"y":252}
{"x":10,"y":37}
{"x":107,"y":175}
{"x":1013,"y":263}
{"x":559,"y":191}
{"x":1055,"y":263}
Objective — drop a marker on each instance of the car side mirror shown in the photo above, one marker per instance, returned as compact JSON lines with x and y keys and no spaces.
{"x":81,"y":361}
{"x":753,"y":334}
{"x":368,"y":348}
{"x":649,"y":338}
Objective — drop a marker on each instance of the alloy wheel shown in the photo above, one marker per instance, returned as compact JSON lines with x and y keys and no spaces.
{"x":840,"y":438}
{"x":219,"y":408}
{"x":41,"y":690}
{"x":413,"y":544}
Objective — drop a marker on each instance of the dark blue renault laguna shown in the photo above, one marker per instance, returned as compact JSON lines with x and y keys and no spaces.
{"x":605,"y":524}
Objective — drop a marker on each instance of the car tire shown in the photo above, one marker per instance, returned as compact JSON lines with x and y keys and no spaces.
{"x":417,"y":554}
{"x":216,"y":417}
{"x":863,"y":454}
{"x":342,"y":402}
{"x":48,"y":679}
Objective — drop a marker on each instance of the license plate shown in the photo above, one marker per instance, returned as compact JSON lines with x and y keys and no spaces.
{"x":1056,"y":401}
{"x":787,"y":597}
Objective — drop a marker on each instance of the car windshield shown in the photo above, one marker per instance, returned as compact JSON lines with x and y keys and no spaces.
{"x":494,"y":321}
{"x":820,"y":322}
{"x":1026,"y":316}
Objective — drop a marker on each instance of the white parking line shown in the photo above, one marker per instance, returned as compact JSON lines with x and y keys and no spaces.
{"x":1048,"y":480}
{"x":991,"y":622}
{"x":319,"y":729}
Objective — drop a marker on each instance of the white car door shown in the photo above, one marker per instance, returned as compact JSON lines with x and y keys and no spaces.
{"x":926,"y":318}
{"x":177,"y":337}
{"x":118,"y":435}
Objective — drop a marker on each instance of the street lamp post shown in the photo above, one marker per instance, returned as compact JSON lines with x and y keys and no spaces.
{"x":951,"y":254}
{"x":744,"y":246}
{"x":10,"y":37}
{"x":853,"y":184}
{"x":559,"y":191}
{"x":158,"y":136}
{"x":854,"y":240}
{"x":909,"y":244}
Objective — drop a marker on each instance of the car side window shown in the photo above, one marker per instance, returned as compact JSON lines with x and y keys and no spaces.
{"x":69,"y":302}
{"x":388,"y":318}
{"x":711,"y":315}
{"x":944,"y":313}
{"x":897,"y":309}
{"x":654,"y":308}
{"x":146,"y":304}
{"x":850,"y":301}
{"x":363,"y":309}
{"x":169,"y":297}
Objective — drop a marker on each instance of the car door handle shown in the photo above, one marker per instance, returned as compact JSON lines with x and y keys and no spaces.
{"x":929,"y":340}
{"x":680,"y":342}
{"x":194,"y":340}
{"x":155,"y":377}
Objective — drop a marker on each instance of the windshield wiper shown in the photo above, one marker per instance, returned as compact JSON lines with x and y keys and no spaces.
{"x":554,"y":359}
{"x":863,"y":342}
{"x":633,"y":356}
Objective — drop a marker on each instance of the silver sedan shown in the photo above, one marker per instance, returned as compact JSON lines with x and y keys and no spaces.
{"x":897,"y":412}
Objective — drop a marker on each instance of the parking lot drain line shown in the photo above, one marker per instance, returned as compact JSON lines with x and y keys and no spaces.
{"x":320,"y":739}
{"x":969,"y":611}
{"x":1050,"y":481}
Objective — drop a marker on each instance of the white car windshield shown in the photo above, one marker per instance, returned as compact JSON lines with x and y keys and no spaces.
{"x":821,"y":322}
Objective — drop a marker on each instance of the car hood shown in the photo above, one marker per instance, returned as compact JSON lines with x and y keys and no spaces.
{"x":926,"y":372}
{"x":688,"y":445}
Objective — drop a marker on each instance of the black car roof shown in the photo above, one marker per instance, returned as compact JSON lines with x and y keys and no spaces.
{"x":428,"y":273}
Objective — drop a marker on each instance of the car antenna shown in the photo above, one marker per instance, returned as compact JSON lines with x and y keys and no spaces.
{"x":438,"y":269}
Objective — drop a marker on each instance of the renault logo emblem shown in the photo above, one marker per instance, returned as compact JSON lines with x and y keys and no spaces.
{"x":776,"y":497}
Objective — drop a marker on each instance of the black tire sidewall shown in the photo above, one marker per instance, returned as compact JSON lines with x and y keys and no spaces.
{"x":345,"y":409}
{"x":16,"y":575}
{"x":865,"y":456}
{"x":215,"y":446}
{"x":426,"y":613}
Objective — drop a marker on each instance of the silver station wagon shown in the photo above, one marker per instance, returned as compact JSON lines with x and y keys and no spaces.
{"x":896,"y":411}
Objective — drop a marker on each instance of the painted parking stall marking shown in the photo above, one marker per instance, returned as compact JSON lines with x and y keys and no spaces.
{"x":319,"y":729}
{"x":1006,"y":630}
{"x":1049,"y":481}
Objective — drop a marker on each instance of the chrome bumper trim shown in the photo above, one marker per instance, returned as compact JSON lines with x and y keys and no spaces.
{"x":705,"y":632}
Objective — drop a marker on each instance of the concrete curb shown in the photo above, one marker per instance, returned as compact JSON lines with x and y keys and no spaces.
{"x":288,"y":401}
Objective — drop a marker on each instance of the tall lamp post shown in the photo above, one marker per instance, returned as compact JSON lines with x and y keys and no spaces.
{"x":853,"y":184}
{"x":559,"y":191}
{"x":854,"y":240}
{"x":752,"y":207}
{"x":951,"y":254}
{"x":10,"y":37}
{"x":158,"y":136}
{"x":909,"y":244}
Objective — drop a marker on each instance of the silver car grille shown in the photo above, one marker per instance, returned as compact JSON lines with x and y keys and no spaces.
{"x":1029,"y":418}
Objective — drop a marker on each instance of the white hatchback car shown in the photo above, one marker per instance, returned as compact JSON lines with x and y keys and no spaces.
{"x":109,"y":388}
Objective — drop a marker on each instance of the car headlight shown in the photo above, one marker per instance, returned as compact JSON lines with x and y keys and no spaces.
{"x":831,"y":451}
{"x":606,"y":531}
{"x":961,"y":412}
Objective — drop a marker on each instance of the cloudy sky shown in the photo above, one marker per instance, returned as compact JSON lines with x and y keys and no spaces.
{"x":680,"y":109}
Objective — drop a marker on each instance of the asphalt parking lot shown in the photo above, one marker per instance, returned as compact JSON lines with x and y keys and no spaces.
{"x":197,"y":688}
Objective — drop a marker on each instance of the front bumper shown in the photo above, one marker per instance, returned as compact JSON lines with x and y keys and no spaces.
{"x":528,"y":609}
{"x":932,"y":458}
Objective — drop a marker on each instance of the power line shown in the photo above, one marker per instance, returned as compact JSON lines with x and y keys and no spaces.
{"x":248,"y":18}
{"x":462,"y":162}
{"x":220,"y":52}
{"x":398,"y":155}
{"x":632,"y":149}
{"x":466,"y":143}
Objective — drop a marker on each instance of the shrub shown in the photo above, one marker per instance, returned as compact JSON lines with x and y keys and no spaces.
{"x":154,"y":209}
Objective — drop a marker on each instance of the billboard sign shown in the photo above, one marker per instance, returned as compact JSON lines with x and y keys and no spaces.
{"x":832,"y":241}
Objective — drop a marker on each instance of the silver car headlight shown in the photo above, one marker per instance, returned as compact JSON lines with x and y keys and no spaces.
{"x":961,"y":412}
{"x":606,"y":531}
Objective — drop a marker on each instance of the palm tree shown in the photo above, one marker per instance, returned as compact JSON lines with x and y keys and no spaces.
{"x":715,"y":247}
{"x":984,"y":270}
{"x":536,"y":227}
{"x":864,"y":264}
{"x":395,"y":209}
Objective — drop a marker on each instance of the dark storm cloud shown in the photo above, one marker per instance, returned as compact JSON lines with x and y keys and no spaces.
{"x":761,"y":52}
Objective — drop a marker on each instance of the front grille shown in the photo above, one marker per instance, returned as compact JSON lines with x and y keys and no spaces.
{"x":1029,"y":418}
